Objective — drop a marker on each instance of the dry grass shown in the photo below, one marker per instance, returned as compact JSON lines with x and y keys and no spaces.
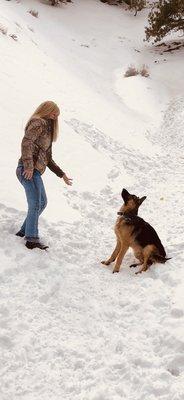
{"x":144,"y":71}
{"x":131,"y":71}
{"x":34,"y":13}
{"x":57,"y":2}
{"x":3,"y":30}
{"x":14,"y":37}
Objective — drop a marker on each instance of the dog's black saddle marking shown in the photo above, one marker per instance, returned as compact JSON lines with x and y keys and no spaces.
{"x":144,"y":233}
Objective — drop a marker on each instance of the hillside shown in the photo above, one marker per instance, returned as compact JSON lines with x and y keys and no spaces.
{"x":70,"y":329}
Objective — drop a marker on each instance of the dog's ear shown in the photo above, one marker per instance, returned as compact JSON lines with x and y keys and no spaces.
{"x":125,"y":195}
{"x":142,"y":199}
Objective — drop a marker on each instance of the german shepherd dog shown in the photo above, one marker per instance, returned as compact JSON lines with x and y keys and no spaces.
{"x":132,"y":231}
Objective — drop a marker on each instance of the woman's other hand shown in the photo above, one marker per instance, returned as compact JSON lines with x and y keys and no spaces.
{"x":28,"y":174}
{"x":67,"y":180}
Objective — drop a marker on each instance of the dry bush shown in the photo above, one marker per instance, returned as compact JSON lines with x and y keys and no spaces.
{"x":112,"y":2}
{"x":14,"y":37}
{"x":136,"y":5}
{"x":34,"y":13}
{"x":131,"y":71}
{"x":56,"y":2}
{"x":165,"y":16}
{"x":3,"y":30}
{"x":144,"y":71}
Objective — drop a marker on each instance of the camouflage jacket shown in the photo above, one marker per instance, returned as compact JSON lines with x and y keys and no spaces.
{"x":36,"y":147}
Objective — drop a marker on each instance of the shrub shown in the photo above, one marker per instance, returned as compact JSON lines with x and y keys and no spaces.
{"x":34,"y":13}
{"x":56,"y":2}
{"x":14,"y":37}
{"x":144,"y":71}
{"x":112,"y":2}
{"x":165,"y":16}
{"x":131,"y":71}
{"x":136,"y":5}
{"x":3,"y":30}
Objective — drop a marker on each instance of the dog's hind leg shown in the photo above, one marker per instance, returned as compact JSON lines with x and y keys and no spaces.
{"x":123,"y":250}
{"x":135,"y":265}
{"x":147,"y":254}
{"x":145,"y":266}
{"x":113,"y":255}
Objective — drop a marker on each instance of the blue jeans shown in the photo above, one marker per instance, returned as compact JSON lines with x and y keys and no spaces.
{"x":37,"y":201}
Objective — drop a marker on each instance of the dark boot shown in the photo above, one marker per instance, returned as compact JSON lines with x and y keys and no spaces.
{"x":20,"y":234}
{"x":37,"y":245}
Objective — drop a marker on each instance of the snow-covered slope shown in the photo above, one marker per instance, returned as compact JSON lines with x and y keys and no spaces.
{"x":69,"y":328}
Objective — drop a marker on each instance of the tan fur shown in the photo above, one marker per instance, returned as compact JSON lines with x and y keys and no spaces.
{"x":147,"y":253}
{"x":125,"y":239}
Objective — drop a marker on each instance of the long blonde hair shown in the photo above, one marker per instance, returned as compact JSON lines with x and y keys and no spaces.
{"x":43,"y":111}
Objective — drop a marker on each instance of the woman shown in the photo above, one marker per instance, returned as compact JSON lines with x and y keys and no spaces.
{"x":36,"y":154}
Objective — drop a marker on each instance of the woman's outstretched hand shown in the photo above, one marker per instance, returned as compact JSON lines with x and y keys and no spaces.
{"x":67,"y":180}
{"x":28,"y":174}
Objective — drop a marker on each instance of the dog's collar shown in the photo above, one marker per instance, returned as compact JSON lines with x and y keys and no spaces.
{"x":128,"y":218}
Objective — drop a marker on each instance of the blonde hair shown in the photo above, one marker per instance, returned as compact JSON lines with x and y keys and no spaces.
{"x":43,"y":111}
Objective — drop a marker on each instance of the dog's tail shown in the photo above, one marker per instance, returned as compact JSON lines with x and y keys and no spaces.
{"x":160,"y":259}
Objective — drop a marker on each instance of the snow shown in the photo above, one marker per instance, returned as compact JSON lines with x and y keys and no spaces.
{"x":69,"y":329}
{"x":141,"y":95}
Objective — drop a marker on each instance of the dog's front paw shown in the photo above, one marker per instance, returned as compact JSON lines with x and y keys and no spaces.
{"x":115,"y":271}
{"x":105,"y":262}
